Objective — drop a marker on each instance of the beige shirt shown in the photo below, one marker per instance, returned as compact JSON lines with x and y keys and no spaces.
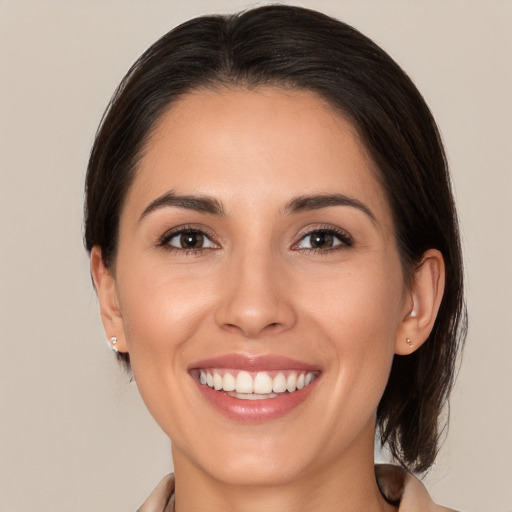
{"x":396,"y":484}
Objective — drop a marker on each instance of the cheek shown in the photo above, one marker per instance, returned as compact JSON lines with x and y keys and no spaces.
{"x":359,"y":312}
{"x":359,"y":306}
{"x":161,"y":309}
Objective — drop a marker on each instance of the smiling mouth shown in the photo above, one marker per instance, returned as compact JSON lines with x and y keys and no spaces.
{"x":254,"y":385}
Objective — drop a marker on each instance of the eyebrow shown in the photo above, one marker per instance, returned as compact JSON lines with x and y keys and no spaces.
{"x":214,"y":207}
{"x":197,"y":203}
{"x":316,"y":202}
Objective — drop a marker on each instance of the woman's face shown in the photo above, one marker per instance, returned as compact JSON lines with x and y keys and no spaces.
{"x":257,"y":250}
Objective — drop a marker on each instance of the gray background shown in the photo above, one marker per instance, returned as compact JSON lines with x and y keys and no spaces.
{"x":74,"y":435}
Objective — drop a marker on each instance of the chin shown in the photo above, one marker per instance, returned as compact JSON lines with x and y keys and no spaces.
{"x":260,"y":470}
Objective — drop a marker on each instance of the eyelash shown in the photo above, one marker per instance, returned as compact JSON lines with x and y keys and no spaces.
{"x":342,"y":236}
{"x":167,"y":237}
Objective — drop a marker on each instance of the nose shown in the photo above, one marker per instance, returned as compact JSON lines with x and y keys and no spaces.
{"x":255,"y":299}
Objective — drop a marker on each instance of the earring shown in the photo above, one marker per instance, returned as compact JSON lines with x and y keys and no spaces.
{"x":113,"y":342}
{"x":409,"y":342}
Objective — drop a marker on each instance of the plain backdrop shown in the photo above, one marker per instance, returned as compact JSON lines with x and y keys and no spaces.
{"x":74,"y":435}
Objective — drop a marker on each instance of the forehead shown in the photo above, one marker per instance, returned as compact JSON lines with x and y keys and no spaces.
{"x":245,"y":146}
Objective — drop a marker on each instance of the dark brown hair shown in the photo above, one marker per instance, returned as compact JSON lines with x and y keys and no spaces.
{"x":298,"y":48}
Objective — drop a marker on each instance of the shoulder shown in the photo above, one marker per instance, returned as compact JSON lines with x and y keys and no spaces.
{"x":159,"y":500}
{"x":401,"y":487}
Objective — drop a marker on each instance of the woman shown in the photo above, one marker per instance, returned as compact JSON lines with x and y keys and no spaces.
{"x":275,"y":250}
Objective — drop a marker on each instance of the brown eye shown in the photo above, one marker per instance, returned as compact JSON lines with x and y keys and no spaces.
{"x":190,"y":240}
{"x":324,"y":239}
{"x":321,"y":240}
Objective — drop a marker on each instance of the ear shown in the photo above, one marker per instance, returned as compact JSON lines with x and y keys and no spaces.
{"x":105,"y":284}
{"x":425,"y":297}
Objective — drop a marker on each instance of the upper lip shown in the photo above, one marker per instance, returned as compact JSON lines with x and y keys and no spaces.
{"x":253,"y":363}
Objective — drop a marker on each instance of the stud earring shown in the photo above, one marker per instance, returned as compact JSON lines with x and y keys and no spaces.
{"x":113,"y":342}
{"x":409,"y":342}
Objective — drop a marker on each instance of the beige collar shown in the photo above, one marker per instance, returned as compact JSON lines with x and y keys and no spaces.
{"x":396,"y":484}
{"x":403,"y":488}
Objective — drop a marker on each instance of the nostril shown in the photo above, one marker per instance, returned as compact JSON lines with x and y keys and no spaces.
{"x":272,"y":327}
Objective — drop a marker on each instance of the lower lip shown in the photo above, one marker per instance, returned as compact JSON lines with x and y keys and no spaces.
{"x":254,"y":411}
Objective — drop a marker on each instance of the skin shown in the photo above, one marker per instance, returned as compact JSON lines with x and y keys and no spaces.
{"x":256,"y":288}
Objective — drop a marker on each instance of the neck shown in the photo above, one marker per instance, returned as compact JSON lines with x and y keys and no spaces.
{"x":345,"y":485}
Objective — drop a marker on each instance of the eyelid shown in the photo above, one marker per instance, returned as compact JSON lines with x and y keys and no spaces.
{"x":163,"y":241}
{"x":341,"y":234}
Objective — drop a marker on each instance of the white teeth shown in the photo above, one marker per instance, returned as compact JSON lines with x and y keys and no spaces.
{"x":279,"y":383}
{"x":228,"y":382}
{"x":262,"y":386}
{"x":244,"y":383}
{"x":291,"y":382}
{"x":217,"y":382}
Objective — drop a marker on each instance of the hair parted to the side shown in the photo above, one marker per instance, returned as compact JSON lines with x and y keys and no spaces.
{"x":297,"y":48}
